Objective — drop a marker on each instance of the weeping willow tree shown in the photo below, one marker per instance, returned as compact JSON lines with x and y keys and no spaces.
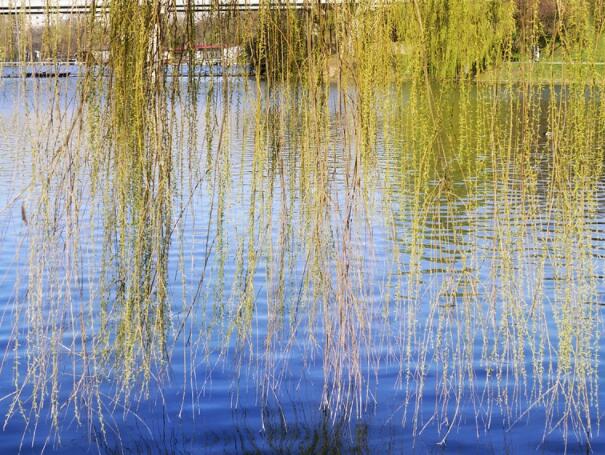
{"x":363,"y":119}
{"x":8,"y":38}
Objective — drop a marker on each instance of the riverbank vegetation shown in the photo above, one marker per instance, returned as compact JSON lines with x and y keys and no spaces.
{"x":456,"y":38}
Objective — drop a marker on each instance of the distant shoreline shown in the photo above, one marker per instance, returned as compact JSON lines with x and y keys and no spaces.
{"x":46,"y":70}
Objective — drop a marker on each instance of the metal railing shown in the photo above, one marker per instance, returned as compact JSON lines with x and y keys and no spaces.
{"x":85,"y":7}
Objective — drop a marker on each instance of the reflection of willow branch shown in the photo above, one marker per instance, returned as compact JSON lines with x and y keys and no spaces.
{"x":307,"y":431}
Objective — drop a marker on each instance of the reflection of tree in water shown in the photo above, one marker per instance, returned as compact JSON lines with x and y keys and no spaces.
{"x":307,"y":431}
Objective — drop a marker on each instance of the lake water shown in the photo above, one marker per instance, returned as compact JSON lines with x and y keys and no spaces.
{"x":335,"y":280}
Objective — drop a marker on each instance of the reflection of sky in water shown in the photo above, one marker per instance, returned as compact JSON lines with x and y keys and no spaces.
{"x":213,"y":396}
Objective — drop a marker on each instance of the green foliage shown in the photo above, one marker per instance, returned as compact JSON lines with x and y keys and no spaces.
{"x":360,"y":118}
